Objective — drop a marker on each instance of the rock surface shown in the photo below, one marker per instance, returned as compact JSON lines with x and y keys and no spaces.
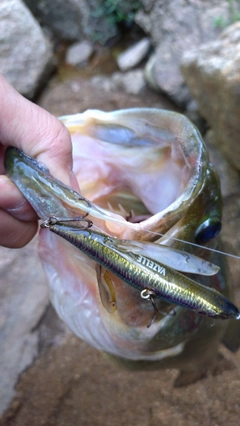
{"x":229,"y":176}
{"x":63,"y":19}
{"x":212,"y":74}
{"x":24,"y":296}
{"x":175,"y":27}
{"x":132,"y":57}
{"x":25,"y":53}
{"x":79,"y":53}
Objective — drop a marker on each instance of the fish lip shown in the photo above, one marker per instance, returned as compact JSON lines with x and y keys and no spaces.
{"x":39,"y":186}
{"x":35,"y":163}
{"x":50,"y":197}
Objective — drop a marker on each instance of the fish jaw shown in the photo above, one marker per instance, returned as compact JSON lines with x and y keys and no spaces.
{"x":50,"y":197}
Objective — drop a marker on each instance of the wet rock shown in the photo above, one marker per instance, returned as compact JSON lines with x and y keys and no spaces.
{"x":25,"y":53}
{"x":212,"y":74}
{"x":23,"y":300}
{"x":175,"y":27}
{"x":132,"y":82}
{"x":132,"y":57}
{"x":79,"y":53}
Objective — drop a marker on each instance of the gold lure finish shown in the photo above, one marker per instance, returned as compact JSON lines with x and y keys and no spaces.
{"x":143,"y":273}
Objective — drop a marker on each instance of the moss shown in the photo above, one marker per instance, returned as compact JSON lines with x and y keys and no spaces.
{"x":107,"y":15}
{"x":234,"y":15}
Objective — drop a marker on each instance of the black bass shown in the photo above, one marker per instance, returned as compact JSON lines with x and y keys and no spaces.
{"x":146,"y":173}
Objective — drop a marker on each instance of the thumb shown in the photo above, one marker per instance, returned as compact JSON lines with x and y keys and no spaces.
{"x":36,"y":132}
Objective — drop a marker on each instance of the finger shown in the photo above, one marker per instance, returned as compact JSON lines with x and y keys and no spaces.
{"x":13,"y":202}
{"x":14,"y":233}
{"x":36,"y":132}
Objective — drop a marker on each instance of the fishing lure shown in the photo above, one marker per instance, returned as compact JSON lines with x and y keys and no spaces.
{"x":131,"y":261}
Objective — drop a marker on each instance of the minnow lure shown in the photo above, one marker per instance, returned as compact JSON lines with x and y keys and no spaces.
{"x":151,"y":277}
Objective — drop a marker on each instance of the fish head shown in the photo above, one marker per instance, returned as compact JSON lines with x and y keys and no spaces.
{"x":148,"y":175}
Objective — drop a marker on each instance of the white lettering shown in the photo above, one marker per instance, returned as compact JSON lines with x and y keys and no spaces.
{"x":152,"y":265}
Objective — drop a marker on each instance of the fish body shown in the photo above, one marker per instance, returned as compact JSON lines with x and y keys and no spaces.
{"x":141,"y":163}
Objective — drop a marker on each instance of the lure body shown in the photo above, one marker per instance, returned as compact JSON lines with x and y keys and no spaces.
{"x":144,"y":273}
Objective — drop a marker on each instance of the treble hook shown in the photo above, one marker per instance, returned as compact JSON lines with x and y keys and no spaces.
{"x":150,"y":296}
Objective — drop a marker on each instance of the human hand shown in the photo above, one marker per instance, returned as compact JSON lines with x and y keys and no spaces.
{"x":40,"y":135}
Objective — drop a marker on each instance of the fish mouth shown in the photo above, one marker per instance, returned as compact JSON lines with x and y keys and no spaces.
{"x":142,"y":170}
{"x":152,"y":163}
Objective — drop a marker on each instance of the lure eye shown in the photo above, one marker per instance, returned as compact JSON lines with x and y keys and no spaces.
{"x":208,"y":230}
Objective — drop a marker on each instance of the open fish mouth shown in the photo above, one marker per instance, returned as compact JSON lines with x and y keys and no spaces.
{"x":134,"y":163}
{"x":146,"y":173}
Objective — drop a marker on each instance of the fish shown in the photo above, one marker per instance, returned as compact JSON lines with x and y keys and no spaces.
{"x":146,"y":178}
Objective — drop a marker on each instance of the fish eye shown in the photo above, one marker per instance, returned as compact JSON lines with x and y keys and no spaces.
{"x":208,"y":230}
